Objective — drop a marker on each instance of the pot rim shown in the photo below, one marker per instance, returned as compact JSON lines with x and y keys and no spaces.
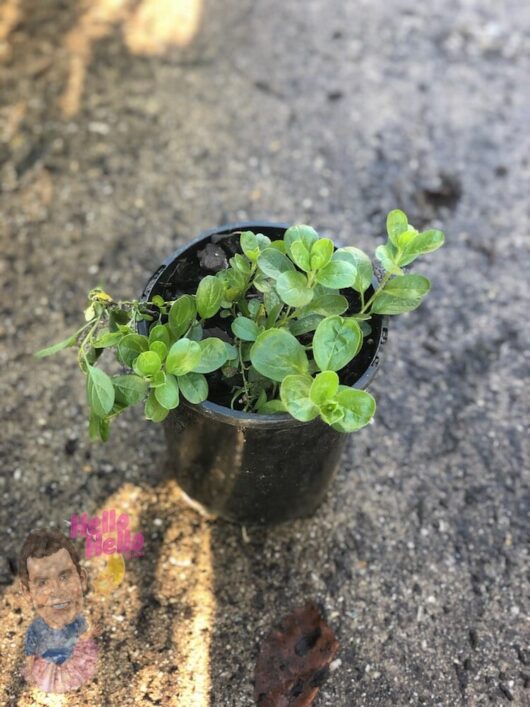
{"x":254,"y":419}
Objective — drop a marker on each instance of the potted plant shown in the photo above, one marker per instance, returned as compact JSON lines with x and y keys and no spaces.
{"x":253,"y":344}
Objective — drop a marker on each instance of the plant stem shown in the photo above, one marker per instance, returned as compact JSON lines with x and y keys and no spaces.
{"x":238,"y":391}
{"x":289,"y":314}
{"x":85,"y":326}
{"x":245,"y":384}
{"x":87,"y":337}
{"x":383,"y":282}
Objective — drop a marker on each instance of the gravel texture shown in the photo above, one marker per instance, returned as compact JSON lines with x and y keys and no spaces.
{"x":117,"y":144}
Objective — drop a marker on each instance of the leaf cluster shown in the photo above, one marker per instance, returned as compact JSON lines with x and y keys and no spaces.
{"x":291,"y":330}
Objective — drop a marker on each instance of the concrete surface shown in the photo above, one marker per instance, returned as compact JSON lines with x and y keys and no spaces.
{"x":125,"y":131}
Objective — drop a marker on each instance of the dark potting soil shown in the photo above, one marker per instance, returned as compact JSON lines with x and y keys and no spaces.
{"x":211,"y":256}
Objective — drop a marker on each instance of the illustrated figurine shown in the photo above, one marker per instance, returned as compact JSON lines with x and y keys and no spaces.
{"x":62,"y":654}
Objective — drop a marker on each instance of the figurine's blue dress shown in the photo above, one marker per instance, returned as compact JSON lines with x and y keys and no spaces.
{"x":63,"y":661}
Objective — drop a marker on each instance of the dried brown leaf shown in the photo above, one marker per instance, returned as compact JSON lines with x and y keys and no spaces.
{"x":294,"y":659}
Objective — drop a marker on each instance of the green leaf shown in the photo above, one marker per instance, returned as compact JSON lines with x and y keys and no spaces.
{"x":98,"y":428}
{"x":419,"y":244}
{"x":183,"y":356}
{"x":364,"y":272}
{"x":245,"y":328}
{"x":158,"y":300}
{"x":271,"y":301}
{"x":324,"y":387}
{"x":231,"y":352}
{"x":262,"y":283}
{"x":337,"y":274}
{"x":279,"y":245}
{"x":305,"y":324}
{"x":321,"y":290}
{"x":153,"y":410}
{"x":396,"y":223}
{"x":196,"y":332}
{"x":358,"y":407}
{"x":54,"y":348}
{"x":273,"y":306}
{"x":273,"y":315}
{"x":194,"y":387}
{"x":168,"y":393}
{"x":160,"y":349}
{"x":263,"y":241}
{"x":300,"y":255}
{"x":401,"y":294}
{"x":181,"y":315}
{"x":242,"y":305}
{"x":313,"y":368}
{"x":331,"y":412}
{"x":293,"y":289}
{"x":336,"y":341}
{"x":213,"y":355}
{"x":158,"y":379}
{"x":321,"y":253}
{"x":273,"y":263}
{"x":270,"y":407}
{"x":160,"y":332}
{"x":129,"y":389}
{"x":294,"y":394}
{"x":254,"y":307}
{"x":209,"y":296}
{"x":108,"y":339}
{"x":130,"y":347}
{"x":388,"y":256}
{"x":256,"y":377}
{"x":239,"y":262}
{"x":117,"y":409}
{"x":276,"y":353}
{"x":245,"y":350}
{"x":100,"y":391}
{"x":325,"y":305}
{"x":118,"y":317}
{"x":147,"y":364}
{"x":250,"y":245}
{"x":365,"y":328}
{"x":262,"y":397}
{"x":92,"y":355}
{"x":234,"y":285}
{"x":306,"y":234}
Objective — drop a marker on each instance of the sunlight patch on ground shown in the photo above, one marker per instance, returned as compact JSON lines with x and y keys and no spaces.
{"x":158,"y":25}
{"x":9,"y":17}
{"x":182,"y":580}
{"x":150,"y":28}
{"x":186,"y":561}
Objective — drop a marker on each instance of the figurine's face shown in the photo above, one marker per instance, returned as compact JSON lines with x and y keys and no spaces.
{"x":55,"y":588}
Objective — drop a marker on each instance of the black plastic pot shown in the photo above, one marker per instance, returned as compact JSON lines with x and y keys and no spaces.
{"x":245,"y":467}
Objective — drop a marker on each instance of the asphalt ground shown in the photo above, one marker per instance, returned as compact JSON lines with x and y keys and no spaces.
{"x":127,"y":128}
